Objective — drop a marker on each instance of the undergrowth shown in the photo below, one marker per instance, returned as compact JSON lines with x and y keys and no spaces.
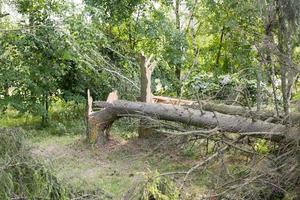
{"x":65,"y":118}
{"x":155,"y":187}
{"x":21,"y":176}
{"x":24,"y":177}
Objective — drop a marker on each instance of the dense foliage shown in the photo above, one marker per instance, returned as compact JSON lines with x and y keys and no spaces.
{"x":59,"y":49}
{"x":238,"y":52}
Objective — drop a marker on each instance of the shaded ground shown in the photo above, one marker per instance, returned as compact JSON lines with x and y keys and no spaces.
{"x":115,"y":168}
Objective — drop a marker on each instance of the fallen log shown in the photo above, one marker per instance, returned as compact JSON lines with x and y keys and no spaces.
{"x":243,"y":111}
{"x":228,"y":109}
{"x":189,"y":116}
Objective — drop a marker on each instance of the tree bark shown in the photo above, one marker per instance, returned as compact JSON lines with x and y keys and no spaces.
{"x":259,"y":88}
{"x":284,"y":48}
{"x":220,"y":48}
{"x":178,"y":65}
{"x":146,"y":68}
{"x":229,"y":109}
{"x":225,"y":123}
{"x":268,"y":43}
{"x":101,"y":121}
{"x":45,"y":116}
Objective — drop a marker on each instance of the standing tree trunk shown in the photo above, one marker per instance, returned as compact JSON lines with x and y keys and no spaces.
{"x":268,"y":43}
{"x":283,"y":54}
{"x":6,"y":95}
{"x":220,"y":48}
{"x":259,"y":89}
{"x":45,"y":115}
{"x":287,"y":69}
{"x":178,"y":65}
{"x":274,"y":88}
{"x":146,"y":68}
{"x":88,"y":111}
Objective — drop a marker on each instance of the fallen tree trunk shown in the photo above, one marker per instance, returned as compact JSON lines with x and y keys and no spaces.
{"x":228,"y":109}
{"x":242,"y":111}
{"x":189,"y":116}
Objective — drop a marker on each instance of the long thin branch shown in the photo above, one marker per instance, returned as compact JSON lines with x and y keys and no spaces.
{"x":207,"y":160}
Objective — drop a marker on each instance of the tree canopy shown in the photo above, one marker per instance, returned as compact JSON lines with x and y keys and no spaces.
{"x":57,"y":49}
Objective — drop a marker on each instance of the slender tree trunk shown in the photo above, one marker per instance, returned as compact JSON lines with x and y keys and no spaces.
{"x":291,"y":79}
{"x":270,"y":66}
{"x":88,"y":111}
{"x":282,"y":47}
{"x":220,"y":47}
{"x":45,"y":116}
{"x":259,"y":89}
{"x":274,"y":88}
{"x":6,"y":94}
{"x":178,"y":65}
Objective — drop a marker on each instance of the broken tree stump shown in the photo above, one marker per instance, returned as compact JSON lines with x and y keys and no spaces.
{"x":146,"y":68}
{"x":99,"y":123}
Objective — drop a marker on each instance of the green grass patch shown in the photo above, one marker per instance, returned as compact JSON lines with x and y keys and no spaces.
{"x":13,"y":118}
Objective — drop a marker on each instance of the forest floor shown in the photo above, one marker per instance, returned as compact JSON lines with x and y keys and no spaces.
{"x":117,"y":167}
{"x":122,"y":165}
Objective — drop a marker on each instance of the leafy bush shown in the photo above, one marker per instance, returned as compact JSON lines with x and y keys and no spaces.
{"x":62,"y":111}
{"x":223,"y":87}
{"x":67,"y":117}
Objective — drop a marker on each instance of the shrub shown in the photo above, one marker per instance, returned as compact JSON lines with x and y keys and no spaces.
{"x":159,"y":188}
{"x":156,"y":187}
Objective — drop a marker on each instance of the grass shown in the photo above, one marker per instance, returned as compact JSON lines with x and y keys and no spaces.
{"x":113,"y":169}
{"x":125,"y":162}
{"x":13,"y":118}
{"x":87,"y":168}
{"x":22,"y":175}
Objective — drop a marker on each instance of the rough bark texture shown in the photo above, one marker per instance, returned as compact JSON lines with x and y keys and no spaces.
{"x":146,"y":68}
{"x":225,"y":123}
{"x":242,"y":111}
{"x":228,"y":109}
{"x":259,"y":88}
{"x":99,"y":123}
{"x":178,"y":65}
{"x":88,"y":111}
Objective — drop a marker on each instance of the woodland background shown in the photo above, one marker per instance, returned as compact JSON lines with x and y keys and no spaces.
{"x":242,"y":53}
